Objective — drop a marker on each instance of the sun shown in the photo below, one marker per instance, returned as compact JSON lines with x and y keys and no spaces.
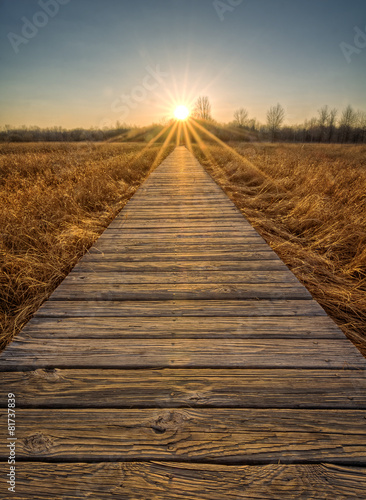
{"x":181,"y":112}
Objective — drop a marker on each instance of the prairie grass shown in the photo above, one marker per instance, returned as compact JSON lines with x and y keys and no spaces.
{"x":56,"y":199}
{"x":309,"y":203}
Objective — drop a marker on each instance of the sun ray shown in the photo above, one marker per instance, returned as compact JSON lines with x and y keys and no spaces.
{"x":179,"y":133}
{"x":151,"y":142}
{"x":237,"y":155}
{"x":186,"y":136}
{"x":201,"y":143}
{"x":165,"y":145}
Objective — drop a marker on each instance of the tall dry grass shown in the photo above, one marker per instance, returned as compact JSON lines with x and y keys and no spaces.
{"x":56,"y":199}
{"x":309,"y":203}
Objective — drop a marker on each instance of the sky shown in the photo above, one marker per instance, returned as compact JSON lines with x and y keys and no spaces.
{"x":91,"y":63}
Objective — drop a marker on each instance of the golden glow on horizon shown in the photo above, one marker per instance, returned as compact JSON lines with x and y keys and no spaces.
{"x":181,"y":113}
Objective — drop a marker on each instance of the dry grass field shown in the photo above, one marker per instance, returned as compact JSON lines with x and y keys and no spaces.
{"x":56,"y":199}
{"x":309,"y":203}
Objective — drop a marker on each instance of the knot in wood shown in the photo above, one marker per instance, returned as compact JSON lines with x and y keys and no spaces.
{"x":168,"y":421}
{"x":38,"y":443}
{"x":51,"y":375}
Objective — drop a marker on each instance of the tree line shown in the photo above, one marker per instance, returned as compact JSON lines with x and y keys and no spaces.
{"x":58,"y":134}
{"x":330,"y":125}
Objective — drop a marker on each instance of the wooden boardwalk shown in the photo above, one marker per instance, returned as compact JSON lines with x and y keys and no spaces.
{"x":182,"y":359}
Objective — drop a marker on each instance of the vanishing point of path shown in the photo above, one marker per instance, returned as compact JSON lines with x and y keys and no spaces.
{"x":181,"y":359}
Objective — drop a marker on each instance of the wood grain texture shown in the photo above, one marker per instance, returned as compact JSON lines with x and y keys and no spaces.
{"x":76,"y":291}
{"x":100,"y":266}
{"x":174,"y":277}
{"x":221,"y":238}
{"x":183,"y":327}
{"x":175,"y":481}
{"x":137,"y":247}
{"x":226,"y":236}
{"x":174,"y":388}
{"x":238,"y":436}
{"x":207,"y":257}
{"x":182,"y":353}
{"x":176,"y":308}
{"x":191,"y":225}
{"x":191,"y":228}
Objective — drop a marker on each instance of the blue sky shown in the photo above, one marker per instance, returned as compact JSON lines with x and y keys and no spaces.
{"x":94,"y":61}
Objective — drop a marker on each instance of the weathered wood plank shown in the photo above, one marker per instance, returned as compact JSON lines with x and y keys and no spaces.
{"x":172,"y":388}
{"x":244,"y":436}
{"x":204,"y":257}
{"x":139,"y":246}
{"x":183,"y":327}
{"x":174,"y":481}
{"x":182,"y":210}
{"x":243,"y":308}
{"x":69,"y":290}
{"x":177,"y":216}
{"x":182,"y":353}
{"x":223,"y":238}
{"x":212,"y":277}
{"x":183,"y":230}
{"x":163,"y":203}
{"x":100,"y":266}
{"x":192,"y":224}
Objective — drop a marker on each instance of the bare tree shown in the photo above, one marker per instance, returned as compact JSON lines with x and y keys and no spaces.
{"x":332,"y":123}
{"x":361,"y":126}
{"x":202,"y":108}
{"x":323,"y":121}
{"x":275,"y":117}
{"x":253,"y":124}
{"x":241,"y":117}
{"x":348,"y":121}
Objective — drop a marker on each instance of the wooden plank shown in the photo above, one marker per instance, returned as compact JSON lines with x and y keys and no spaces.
{"x":204,"y":257}
{"x":162,"y":202}
{"x":242,"y":308}
{"x":177,"y":216}
{"x":100,"y":266}
{"x":183,"y":229}
{"x":156,"y":213}
{"x":182,"y":210}
{"x":166,"y":200}
{"x":146,"y":245}
{"x":187,"y":277}
{"x":149,"y":193}
{"x":182,"y":353}
{"x":249,"y":242}
{"x":174,"y":388}
{"x":69,"y":290}
{"x":213,"y":229}
{"x":193,"y":224}
{"x":122,"y":245}
{"x":241,"y":436}
{"x":223,"y":238}
{"x":191,"y":481}
{"x":183,"y":327}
